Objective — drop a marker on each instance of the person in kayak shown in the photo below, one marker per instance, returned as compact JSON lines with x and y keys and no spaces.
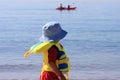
{"x":61,"y":5}
{"x":68,"y":6}
{"x":55,"y":60}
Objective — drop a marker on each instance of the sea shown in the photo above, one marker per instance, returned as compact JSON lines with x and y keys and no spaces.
{"x":92,"y":42}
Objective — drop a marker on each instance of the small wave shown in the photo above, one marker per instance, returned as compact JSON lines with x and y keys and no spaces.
{"x":19,"y":67}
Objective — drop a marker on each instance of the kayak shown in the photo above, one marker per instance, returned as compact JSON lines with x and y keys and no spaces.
{"x":72,"y":8}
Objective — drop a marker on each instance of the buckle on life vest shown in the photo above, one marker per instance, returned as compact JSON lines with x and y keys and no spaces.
{"x":63,"y":65}
{"x":65,"y":60}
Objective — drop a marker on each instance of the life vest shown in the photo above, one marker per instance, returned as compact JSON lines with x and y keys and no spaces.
{"x":62,"y":60}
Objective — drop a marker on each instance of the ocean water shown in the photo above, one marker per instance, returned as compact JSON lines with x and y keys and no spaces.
{"x":92,"y":43}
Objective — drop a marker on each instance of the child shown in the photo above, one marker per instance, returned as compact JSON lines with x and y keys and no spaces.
{"x":55,"y":60}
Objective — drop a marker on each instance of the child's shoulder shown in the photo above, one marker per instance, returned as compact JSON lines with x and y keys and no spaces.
{"x":42,"y":46}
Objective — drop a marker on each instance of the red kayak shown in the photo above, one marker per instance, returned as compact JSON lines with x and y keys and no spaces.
{"x":71,"y":8}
